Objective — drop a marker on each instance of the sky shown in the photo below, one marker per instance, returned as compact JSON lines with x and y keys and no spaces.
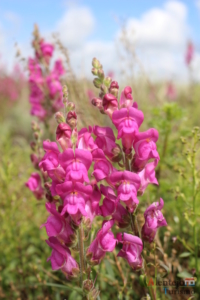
{"x":159,"y":31}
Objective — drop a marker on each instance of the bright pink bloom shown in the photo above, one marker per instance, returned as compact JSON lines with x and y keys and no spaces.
{"x":92,"y":203}
{"x":128,"y":184}
{"x":63,"y":135}
{"x":61,"y":258}
{"x":189,"y":53}
{"x":105,"y":140}
{"x":147,"y":176}
{"x":126,"y":99}
{"x":74,"y":196}
{"x":58,"y":68}
{"x":111,"y":207}
{"x":145,"y":148}
{"x":132,"y":249}
{"x":54,"y":86}
{"x":34,"y":184}
{"x":76,"y":165}
{"x":171,"y":93}
{"x":153,"y":220}
{"x":57,"y":225}
{"x":85,"y":140}
{"x":110,"y":104}
{"x":104,"y":242}
{"x":50,"y":159}
{"x":46,"y":50}
{"x":102,"y":167}
{"x":127,"y":122}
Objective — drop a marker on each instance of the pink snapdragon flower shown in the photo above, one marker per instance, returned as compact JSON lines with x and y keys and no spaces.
{"x":111,"y":207}
{"x":127,"y":122}
{"x":105,"y":140}
{"x":153,"y":220}
{"x":128,"y":184}
{"x":50,"y":159}
{"x":61,"y":258}
{"x":145,"y":148}
{"x":58,"y":68}
{"x":147,"y":176}
{"x":76,"y":164}
{"x":63,"y":135}
{"x":189,"y":53}
{"x":92,"y":203}
{"x":85,"y":140}
{"x":74,"y":196}
{"x":126,"y":99}
{"x":46,"y":51}
{"x":132,"y":249}
{"x":110,"y":104}
{"x":34,"y":184}
{"x":104,"y":242}
{"x":102,"y":167}
{"x":58,"y":226}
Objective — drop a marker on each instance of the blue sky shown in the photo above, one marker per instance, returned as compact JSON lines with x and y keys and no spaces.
{"x":97,"y":23}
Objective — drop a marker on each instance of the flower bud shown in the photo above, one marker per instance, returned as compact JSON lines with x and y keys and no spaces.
{"x":72,"y":119}
{"x":114,"y":88}
{"x":96,"y":63}
{"x":33,"y":145}
{"x":70,"y":106}
{"x":94,"y":71}
{"x":97,"y":102}
{"x":34,"y":160}
{"x":110,"y":104}
{"x":59,"y":118}
{"x":100,"y":74}
{"x":74,"y":136}
{"x":36,"y":135}
{"x":87,"y":285}
{"x":97,"y":82}
{"x":104,"y":89}
{"x":117,"y":155}
{"x":107,"y":81}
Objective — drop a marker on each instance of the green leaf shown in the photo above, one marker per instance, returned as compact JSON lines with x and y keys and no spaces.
{"x":184,"y":274}
{"x":185,"y":254}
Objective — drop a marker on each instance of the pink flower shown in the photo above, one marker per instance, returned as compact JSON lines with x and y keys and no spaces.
{"x":102,"y":167}
{"x":128,"y":185}
{"x":104,"y":242}
{"x":50,"y":159}
{"x":57,"y":225}
{"x":189,"y":53}
{"x":127,"y":122}
{"x":46,"y":50}
{"x":76,"y":165}
{"x":58,"y":68}
{"x":153,"y":220}
{"x":85,"y":140}
{"x":34,"y":184}
{"x":171,"y":91}
{"x":54,"y":86}
{"x":145,"y":148}
{"x":61,"y":258}
{"x":110,"y":104}
{"x":63,"y":135}
{"x":74,"y":196}
{"x":126,"y":99}
{"x":111,"y":207}
{"x":92,"y":203}
{"x":105,"y":140}
{"x":132,"y":249}
{"x":147,"y":176}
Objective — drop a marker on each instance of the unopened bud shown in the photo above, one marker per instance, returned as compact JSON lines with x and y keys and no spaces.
{"x":96,"y":63}
{"x":107,"y":81}
{"x":33,"y":145}
{"x":74,"y":136}
{"x":94,"y":71}
{"x":72,"y":119}
{"x":101,"y":74}
{"x":97,"y":102}
{"x":97,"y":82}
{"x":36,"y":135}
{"x":117,"y":154}
{"x":104,"y":88}
{"x":114,"y":88}
{"x":87,"y":285}
{"x":59,"y":118}
{"x":47,"y":186}
{"x":34,"y":160}
{"x":70,"y":106}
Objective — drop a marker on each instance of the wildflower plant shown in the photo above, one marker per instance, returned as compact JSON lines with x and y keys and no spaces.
{"x":90,"y":174}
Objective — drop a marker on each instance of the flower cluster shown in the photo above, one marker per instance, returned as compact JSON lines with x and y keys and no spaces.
{"x":45,"y":86}
{"x":80,"y":170}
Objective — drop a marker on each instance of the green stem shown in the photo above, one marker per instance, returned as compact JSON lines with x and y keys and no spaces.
{"x":81,"y":253}
{"x":194,"y":211}
{"x":155,"y":278}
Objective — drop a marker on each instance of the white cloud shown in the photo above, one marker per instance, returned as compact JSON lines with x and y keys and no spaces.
{"x":75,"y":26}
{"x":198,"y":4}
